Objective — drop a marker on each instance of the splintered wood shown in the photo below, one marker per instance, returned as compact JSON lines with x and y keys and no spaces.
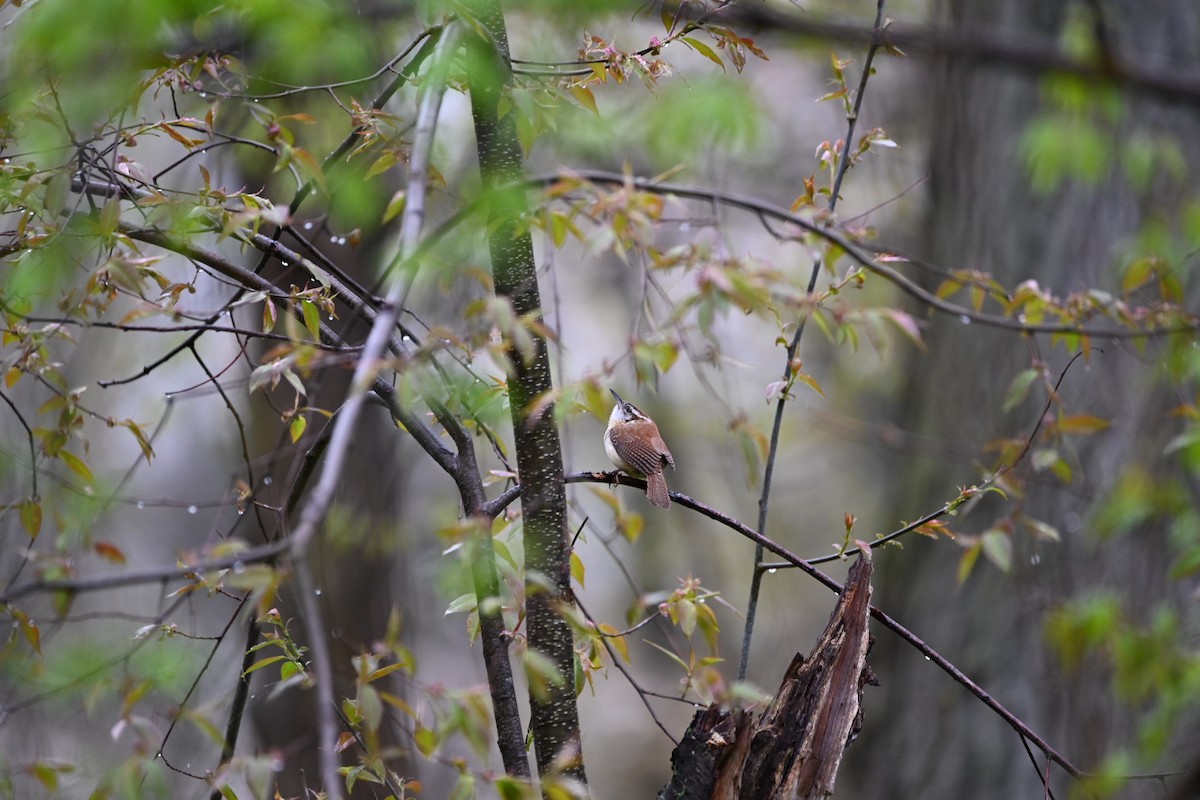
{"x":794,"y":749}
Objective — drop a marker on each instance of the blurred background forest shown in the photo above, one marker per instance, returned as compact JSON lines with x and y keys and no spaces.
{"x":1032,"y":163}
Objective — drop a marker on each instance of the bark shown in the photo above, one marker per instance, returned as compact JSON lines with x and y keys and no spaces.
{"x":554,"y":715}
{"x":694,"y":760}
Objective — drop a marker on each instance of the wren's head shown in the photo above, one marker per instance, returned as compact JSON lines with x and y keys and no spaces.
{"x":624,"y":412}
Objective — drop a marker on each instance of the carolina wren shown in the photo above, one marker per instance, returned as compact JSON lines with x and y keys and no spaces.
{"x":634,"y":444}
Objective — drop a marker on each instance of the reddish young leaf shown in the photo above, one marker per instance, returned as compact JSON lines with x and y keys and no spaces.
{"x":109,"y":551}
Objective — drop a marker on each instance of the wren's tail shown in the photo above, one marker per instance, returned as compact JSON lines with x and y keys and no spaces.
{"x":656,"y":490}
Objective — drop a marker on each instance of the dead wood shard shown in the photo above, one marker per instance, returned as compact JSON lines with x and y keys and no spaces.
{"x":794,"y":749}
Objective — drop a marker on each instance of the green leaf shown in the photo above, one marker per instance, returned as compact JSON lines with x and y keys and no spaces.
{"x":586,"y":99}
{"x":997,"y":546}
{"x":704,"y":50}
{"x":312,"y":167}
{"x":110,"y":217}
{"x":1059,"y":147}
{"x":142,"y":440}
{"x":382,"y":164}
{"x":31,"y":517}
{"x":669,"y":654}
{"x":29,"y":628}
{"x":659,"y":356}
{"x":270,"y":315}
{"x":296,"y":429}
{"x":540,"y":673}
{"x":371,"y":707}
{"x":464,"y":789}
{"x":383,"y":672}
{"x":685,"y":612}
{"x":464,"y":602}
{"x":1187,"y":564}
{"x":1043,"y":458}
{"x":214,"y":734}
{"x":578,"y":569}
{"x":312,"y":318}
{"x":322,"y":277}
{"x":1018,"y":389}
{"x":967,"y":563}
{"x":294,"y":379}
{"x":75,"y":463}
{"x":503,"y":553}
{"x":426,"y":739}
{"x":906,"y":325}
{"x":1042,"y":530}
{"x":47,"y":773}
{"x":62,"y":601}
{"x":618,"y":642}
{"x":1082,"y":424}
{"x":266,"y":662}
{"x":509,"y":788}
{"x":395,"y":206}
{"x":810,"y":382}
{"x":1138,"y":274}
{"x":284,"y":159}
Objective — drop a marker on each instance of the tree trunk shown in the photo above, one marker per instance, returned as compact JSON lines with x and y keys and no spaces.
{"x":554,"y":714}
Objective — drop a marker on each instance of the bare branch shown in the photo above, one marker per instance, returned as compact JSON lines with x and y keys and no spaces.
{"x":1029,"y":54}
{"x":155,"y":574}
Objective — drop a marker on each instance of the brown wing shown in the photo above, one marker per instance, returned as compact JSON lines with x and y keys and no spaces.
{"x":640,"y":448}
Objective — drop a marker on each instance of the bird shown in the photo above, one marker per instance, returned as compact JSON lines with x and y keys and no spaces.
{"x":633,"y":443}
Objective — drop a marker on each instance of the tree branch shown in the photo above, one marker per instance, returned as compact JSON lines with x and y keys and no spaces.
{"x":860,"y":256}
{"x":1029,"y":54}
{"x":791,"y":558}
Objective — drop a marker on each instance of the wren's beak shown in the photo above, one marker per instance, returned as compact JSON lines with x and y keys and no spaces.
{"x":614,"y":394}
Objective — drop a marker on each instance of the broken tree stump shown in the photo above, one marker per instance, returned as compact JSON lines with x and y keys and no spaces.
{"x":794,"y":749}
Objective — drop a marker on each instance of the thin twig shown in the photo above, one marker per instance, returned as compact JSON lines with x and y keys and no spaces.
{"x":32,"y":448}
{"x":790,"y":360}
{"x":616,"y":662}
{"x":248,"y":333}
{"x":974,"y":491}
{"x":155,"y":574}
{"x":293,"y":90}
{"x":218,"y":640}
